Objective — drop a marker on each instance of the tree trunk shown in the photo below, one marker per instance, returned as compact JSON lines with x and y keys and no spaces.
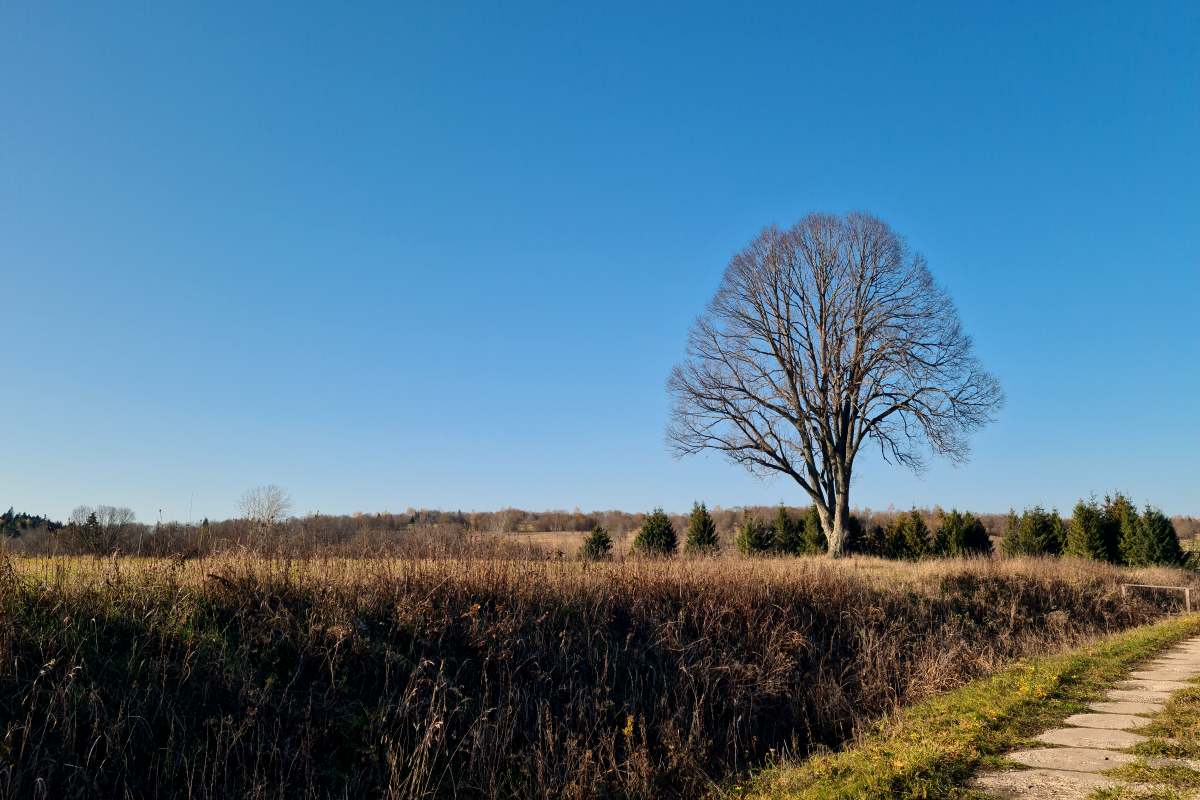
{"x":837,"y":529}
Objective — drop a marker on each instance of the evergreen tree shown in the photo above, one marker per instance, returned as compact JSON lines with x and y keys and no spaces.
{"x":754,"y":537}
{"x":597,"y":545}
{"x":962,"y":534}
{"x":91,"y":534}
{"x":1036,"y":532}
{"x":907,"y":536}
{"x":1088,"y":535}
{"x":657,"y":535}
{"x":1121,"y":527}
{"x":1010,"y":544}
{"x":787,"y":533}
{"x":872,"y":541}
{"x":701,"y":531}
{"x":812,"y":540}
{"x":1156,"y":541}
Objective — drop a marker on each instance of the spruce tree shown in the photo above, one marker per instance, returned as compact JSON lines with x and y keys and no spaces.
{"x":962,"y":534}
{"x":872,"y":541}
{"x":701,"y":531}
{"x":1087,"y":535}
{"x":813,"y":541}
{"x":1036,"y":532}
{"x":787,"y":533}
{"x":1121,"y":527}
{"x":1011,"y":544}
{"x":754,"y":537}
{"x":597,"y":545}
{"x":1156,"y":542}
{"x":657,"y":535}
{"x":907,"y":536}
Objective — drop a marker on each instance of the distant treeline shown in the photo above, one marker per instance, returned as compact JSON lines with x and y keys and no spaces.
{"x":13,"y":524}
{"x":753,"y":529}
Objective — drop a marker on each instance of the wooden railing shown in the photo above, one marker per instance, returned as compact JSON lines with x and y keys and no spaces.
{"x":1187,"y":591}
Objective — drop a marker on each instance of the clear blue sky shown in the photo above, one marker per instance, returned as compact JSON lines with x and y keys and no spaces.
{"x":445,"y":256}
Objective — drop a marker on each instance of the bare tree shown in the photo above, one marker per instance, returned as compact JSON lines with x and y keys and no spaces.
{"x":265,"y":505}
{"x":820,"y":338}
{"x":101,"y":529}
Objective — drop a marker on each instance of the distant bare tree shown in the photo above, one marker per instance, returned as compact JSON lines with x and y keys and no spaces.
{"x":265,"y":505}
{"x":101,"y":529}
{"x":821,"y":337}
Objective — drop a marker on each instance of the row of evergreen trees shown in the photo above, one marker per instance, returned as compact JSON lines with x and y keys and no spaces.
{"x":1112,"y":531}
{"x":906,"y":536}
{"x":783,"y":535}
{"x":657,"y":536}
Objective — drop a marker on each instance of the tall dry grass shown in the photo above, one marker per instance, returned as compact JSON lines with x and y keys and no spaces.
{"x":240,"y":676}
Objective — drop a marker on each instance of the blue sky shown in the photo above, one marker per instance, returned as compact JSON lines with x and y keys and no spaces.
{"x":441,"y":255}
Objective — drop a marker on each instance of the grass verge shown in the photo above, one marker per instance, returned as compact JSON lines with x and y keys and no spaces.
{"x":932,"y":749}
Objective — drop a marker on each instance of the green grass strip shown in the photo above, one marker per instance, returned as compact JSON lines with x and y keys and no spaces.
{"x":933,"y":748}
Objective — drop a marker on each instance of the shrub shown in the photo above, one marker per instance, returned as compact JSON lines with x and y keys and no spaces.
{"x":962,"y":535}
{"x":597,"y":546}
{"x":1088,"y":534}
{"x":701,"y":531}
{"x":657,"y":535}
{"x":1036,"y":532}
{"x":787,"y":533}
{"x":754,"y":537}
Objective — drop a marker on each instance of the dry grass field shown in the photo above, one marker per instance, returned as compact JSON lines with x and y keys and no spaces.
{"x":412,"y":677}
{"x":555,"y":543}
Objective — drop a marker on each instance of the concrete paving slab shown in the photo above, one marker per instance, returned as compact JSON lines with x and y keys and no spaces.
{"x":1182,"y":675}
{"x":1182,"y":666}
{"x":1126,"y":708}
{"x":1153,"y":686}
{"x":1137,"y":696}
{"x":1115,"y":722}
{"x":1074,"y":759}
{"x":1051,"y":784}
{"x":1100,"y":738}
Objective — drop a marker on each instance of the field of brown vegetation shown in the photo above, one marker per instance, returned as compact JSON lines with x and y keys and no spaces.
{"x":242,"y":676}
